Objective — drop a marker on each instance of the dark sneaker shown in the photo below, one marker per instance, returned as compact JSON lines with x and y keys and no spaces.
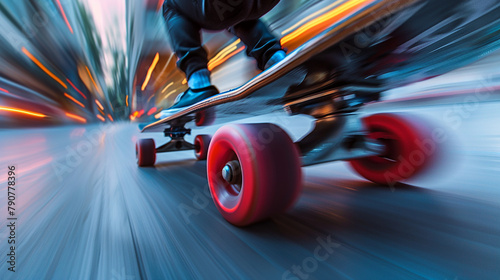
{"x":188,"y":98}
{"x":193,"y":96}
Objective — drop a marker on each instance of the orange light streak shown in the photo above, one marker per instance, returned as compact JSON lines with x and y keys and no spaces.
{"x":214,"y":62}
{"x":77,"y":118}
{"x":20,"y":111}
{"x":91,"y":78}
{"x":169,"y":85}
{"x":224,"y":59}
{"x":101,"y":118}
{"x":74,"y":100}
{"x":99,"y":104}
{"x":39,"y":64}
{"x":309,"y":17}
{"x":322,"y":22}
{"x":150,"y":71}
{"x":110,"y":118}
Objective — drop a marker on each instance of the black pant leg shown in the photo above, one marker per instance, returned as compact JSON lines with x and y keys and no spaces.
{"x":185,"y":38}
{"x":261,"y":43}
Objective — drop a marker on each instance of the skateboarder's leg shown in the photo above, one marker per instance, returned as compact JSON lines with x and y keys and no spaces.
{"x":186,"y":41}
{"x":261,"y":43}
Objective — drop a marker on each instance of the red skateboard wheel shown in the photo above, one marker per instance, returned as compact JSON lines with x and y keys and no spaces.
{"x":254,"y":172}
{"x":201,"y":143}
{"x":145,"y":151}
{"x":205,"y":117}
{"x":404,"y":137}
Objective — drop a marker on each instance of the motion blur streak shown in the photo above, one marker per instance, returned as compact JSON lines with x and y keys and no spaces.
{"x":64,"y":16}
{"x":309,"y":17}
{"x":38,"y":164}
{"x":231,"y":47}
{"x":74,"y":100}
{"x":77,"y":118}
{"x":86,"y":211}
{"x":322,"y":22}
{"x":81,"y":93}
{"x":91,"y":78}
{"x":164,"y":89}
{"x":150,"y":71}
{"x":224,"y":58}
{"x":134,"y":115}
{"x":37,"y":62}
{"x":20,"y":111}
{"x":160,"y":2}
{"x":99,"y":104}
{"x":151,"y":111}
{"x":116,"y":221}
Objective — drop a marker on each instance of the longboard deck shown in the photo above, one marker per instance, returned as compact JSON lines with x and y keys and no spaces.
{"x":408,"y":46}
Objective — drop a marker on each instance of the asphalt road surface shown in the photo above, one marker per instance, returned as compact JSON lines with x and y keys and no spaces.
{"x":86,"y":211}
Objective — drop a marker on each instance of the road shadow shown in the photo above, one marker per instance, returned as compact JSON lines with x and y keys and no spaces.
{"x":351,"y":207}
{"x":326,"y":207}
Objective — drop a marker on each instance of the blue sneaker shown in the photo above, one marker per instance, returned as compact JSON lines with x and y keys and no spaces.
{"x":188,"y":98}
{"x":277,"y":57}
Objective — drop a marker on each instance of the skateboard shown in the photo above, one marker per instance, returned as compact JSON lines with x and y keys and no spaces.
{"x":254,"y":170}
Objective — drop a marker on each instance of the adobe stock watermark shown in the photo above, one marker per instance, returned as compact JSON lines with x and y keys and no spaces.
{"x":32,"y":25}
{"x":470,"y":104}
{"x":326,"y":247}
{"x":75,"y":154}
{"x":199,"y":201}
{"x":364,"y":36}
{"x":31,"y":28}
{"x":454,"y":118}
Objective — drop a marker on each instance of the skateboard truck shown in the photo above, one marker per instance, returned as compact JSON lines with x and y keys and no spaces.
{"x":338,"y":137}
{"x":177,"y":142}
{"x":338,"y":132}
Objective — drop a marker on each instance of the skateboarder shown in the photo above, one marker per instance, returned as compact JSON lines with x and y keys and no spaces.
{"x":186,"y":18}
